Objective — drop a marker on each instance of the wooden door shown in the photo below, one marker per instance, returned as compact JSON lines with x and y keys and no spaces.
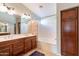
{"x":69,"y":32}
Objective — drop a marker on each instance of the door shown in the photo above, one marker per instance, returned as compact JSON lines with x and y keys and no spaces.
{"x":69,"y":32}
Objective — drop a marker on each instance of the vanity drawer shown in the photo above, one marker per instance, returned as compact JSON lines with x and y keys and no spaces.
{"x":32,"y":37}
{"x":5,"y":43}
{"x":18,"y":43}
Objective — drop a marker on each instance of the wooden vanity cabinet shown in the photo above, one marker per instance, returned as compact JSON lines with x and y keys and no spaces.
{"x":17,"y":46}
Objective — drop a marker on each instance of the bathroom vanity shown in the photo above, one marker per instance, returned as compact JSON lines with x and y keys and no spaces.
{"x":12,"y":45}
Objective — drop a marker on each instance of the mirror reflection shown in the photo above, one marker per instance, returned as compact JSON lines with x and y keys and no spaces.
{"x":7,"y":23}
{"x":3,"y":27}
{"x":14,"y":24}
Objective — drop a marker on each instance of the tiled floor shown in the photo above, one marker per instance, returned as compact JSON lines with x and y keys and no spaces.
{"x":44,"y":48}
{"x":44,"y":52}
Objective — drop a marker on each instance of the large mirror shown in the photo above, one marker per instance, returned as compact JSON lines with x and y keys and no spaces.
{"x":24,"y":24}
{"x":7,"y":23}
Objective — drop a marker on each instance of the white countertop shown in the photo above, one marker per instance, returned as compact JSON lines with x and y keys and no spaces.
{"x":13,"y":36}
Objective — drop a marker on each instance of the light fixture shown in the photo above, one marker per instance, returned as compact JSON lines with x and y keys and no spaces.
{"x":26,"y":16}
{"x":5,"y":8}
{"x":11,"y":11}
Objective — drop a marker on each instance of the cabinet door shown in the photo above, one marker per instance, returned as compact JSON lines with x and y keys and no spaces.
{"x":27,"y":44}
{"x":34,"y":42}
{"x":18,"y":46}
{"x":6,"y":50}
{"x":69,"y":32}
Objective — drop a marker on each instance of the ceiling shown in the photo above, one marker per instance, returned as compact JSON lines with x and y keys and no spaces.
{"x":42,"y":9}
{"x":47,"y":9}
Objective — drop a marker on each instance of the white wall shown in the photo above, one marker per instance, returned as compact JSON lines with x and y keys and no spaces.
{"x":62,"y":6}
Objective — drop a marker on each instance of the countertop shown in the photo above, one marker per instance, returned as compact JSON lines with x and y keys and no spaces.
{"x":13,"y":37}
